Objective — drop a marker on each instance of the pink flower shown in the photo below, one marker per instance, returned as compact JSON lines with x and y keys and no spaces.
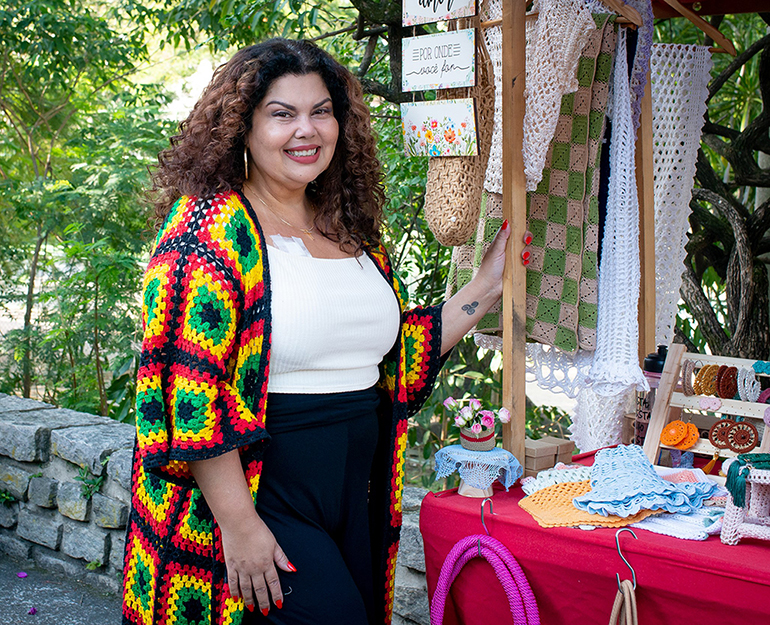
{"x":466,"y":412}
{"x":504,"y":415}
{"x":450,"y":403}
{"x":476,"y":428}
{"x":475,"y":404}
{"x":459,"y":421}
{"x":487,"y":418}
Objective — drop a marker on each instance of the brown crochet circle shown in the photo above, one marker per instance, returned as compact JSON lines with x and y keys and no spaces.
{"x":742,"y":437}
{"x":718,"y":433}
{"x":674,"y":433}
{"x":690,"y":438}
{"x":705,"y":381}
{"x":727,"y":382}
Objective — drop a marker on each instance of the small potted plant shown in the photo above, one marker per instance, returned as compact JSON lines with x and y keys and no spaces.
{"x":477,"y":425}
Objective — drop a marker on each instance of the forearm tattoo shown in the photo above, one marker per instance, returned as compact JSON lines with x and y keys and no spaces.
{"x":470,"y":308}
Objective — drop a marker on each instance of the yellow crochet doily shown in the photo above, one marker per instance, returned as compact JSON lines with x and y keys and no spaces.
{"x":552,"y":507}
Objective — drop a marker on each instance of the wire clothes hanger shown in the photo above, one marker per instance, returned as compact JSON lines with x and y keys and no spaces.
{"x":484,"y":525}
{"x":622,"y":557}
{"x":711,"y":31}
{"x":624,"y":607}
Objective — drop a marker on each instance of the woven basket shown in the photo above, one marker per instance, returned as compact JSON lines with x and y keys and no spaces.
{"x":485,"y":441}
{"x":454,"y":186}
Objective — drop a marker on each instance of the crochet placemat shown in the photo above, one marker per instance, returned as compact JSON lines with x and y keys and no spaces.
{"x":563,"y":212}
{"x":552,"y":507}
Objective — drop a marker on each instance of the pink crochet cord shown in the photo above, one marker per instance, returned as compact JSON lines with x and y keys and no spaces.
{"x":520,"y":598}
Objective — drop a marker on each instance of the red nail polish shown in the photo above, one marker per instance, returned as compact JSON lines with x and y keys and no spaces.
{"x":527,"y":237}
{"x":525,"y":262}
{"x":291,"y":567}
{"x":278,"y":604}
{"x":525,"y":255}
{"x":250,"y":607}
{"x":505,"y":225}
{"x":265,"y":611}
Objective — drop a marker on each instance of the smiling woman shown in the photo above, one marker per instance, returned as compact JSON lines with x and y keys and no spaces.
{"x":279,"y":364}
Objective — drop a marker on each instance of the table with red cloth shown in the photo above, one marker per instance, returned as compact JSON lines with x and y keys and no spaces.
{"x":572,"y":571}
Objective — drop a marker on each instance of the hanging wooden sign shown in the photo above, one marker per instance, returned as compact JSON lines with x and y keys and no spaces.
{"x":425,"y":11}
{"x":439,"y":61}
{"x":439,"y":128}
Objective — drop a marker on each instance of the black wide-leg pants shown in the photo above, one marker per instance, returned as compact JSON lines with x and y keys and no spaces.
{"x":312,"y":495}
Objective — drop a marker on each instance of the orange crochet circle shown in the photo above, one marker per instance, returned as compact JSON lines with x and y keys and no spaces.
{"x":690,"y":438}
{"x":674,"y":433}
{"x":718,"y":433}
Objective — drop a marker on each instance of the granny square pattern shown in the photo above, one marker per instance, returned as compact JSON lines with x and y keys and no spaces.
{"x":202,"y":391}
{"x":563,"y":212}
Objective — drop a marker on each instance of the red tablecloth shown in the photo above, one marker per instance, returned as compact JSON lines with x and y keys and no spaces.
{"x":572,"y":571}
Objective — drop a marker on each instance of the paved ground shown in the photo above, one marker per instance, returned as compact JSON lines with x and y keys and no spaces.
{"x":58,"y":600}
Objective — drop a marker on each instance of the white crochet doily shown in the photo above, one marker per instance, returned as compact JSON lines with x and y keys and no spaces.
{"x":680,"y":76}
{"x":478,"y":469}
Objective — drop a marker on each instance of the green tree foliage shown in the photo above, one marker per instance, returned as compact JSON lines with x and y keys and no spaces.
{"x":76,"y":138}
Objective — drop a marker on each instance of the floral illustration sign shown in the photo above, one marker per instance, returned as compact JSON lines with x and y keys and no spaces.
{"x":439,"y":128}
{"x":439,"y":61}
{"x":425,"y":11}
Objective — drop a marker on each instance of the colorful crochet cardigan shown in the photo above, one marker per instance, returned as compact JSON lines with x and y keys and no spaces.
{"x":202,"y":391}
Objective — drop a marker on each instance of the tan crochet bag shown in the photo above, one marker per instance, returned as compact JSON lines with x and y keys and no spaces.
{"x":453,"y":191}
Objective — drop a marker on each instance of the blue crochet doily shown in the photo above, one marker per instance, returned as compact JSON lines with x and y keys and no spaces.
{"x":478,"y":468}
{"x":623,"y":482}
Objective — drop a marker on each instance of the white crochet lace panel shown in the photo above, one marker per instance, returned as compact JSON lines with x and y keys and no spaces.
{"x":550,"y":367}
{"x":616,"y":362}
{"x":554,"y":43}
{"x":680,"y":76}
{"x":558,"y":371}
{"x":597,"y":421}
{"x":493,"y":37}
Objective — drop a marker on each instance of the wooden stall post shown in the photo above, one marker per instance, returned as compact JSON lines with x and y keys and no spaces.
{"x":646,"y":193}
{"x":515,"y":211}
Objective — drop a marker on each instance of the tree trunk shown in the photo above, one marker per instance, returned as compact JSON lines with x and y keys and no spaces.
{"x":26,"y":357}
{"x":103,"y":407}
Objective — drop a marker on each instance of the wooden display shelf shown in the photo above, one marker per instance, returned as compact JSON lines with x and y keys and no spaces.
{"x":670,"y":402}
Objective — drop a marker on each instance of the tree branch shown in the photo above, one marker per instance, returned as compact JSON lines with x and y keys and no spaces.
{"x":366,"y":61}
{"x":739,"y":283}
{"x":701,"y":309}
{"x":738,"y":62}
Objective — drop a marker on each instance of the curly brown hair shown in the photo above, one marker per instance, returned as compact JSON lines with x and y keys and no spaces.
{"x":206,"y":157}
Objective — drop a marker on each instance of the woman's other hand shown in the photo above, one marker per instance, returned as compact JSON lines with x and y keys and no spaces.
{"x":251,"y":555}
{"x":250,"y":549}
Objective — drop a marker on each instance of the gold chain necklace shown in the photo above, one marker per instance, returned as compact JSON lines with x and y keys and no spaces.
{"x":306,"y":231}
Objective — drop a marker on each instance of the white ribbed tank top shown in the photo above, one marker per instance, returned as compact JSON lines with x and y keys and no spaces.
{"x":333,"y":320}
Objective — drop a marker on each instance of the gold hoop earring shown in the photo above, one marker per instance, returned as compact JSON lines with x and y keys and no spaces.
{"x":245,"y":162}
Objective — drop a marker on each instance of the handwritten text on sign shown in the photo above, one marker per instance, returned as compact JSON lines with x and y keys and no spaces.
{"x":424,"y":11}
{"x":438,"y":61}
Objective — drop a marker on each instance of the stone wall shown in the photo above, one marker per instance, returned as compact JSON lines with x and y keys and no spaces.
{"x":44,"y":449}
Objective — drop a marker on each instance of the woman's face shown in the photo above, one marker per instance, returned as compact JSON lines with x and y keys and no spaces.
{"x":294,"y":132}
